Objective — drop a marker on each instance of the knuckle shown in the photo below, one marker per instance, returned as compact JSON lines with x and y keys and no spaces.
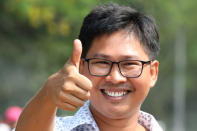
{"x":61,"y":96}
{"x":89,"y":87}
{"x":72,"y":76}
{"x":59,"y":105}
{"x":86,"y":96}
{"x":71,"y":69}
{"x":68,"y":87}
{"x":89,"y":84}
{"x":81,"y":103}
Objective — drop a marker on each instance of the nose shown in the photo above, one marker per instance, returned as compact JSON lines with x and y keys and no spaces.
{"x":115,"y":76}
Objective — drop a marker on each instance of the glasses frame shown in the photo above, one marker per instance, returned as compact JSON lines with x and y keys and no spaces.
{"x":118,"y":63}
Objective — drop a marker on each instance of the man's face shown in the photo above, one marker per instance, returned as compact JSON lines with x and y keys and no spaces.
{"x":117,"y":47}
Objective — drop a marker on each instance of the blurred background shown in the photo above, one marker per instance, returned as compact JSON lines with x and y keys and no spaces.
{"x":36,"y":39}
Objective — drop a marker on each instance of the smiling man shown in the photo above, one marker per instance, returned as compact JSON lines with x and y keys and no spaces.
{"x":111,"y":70}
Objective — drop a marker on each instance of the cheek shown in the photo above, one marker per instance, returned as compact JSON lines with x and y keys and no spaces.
{"x":141,"y":84}
{"x":145,"y":79}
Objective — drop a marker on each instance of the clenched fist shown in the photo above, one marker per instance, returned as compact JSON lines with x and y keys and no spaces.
{"x":68,"y":89}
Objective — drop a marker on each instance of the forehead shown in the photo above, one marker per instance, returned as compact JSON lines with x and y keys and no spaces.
{"x":117,"y":46}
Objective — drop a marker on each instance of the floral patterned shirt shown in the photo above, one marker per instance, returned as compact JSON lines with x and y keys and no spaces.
{"x":84,"y":121}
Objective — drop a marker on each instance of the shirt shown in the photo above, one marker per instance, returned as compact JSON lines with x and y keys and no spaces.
{"x":84,"y":121}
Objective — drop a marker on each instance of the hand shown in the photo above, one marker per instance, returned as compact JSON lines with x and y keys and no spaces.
{"x":68,"y":89}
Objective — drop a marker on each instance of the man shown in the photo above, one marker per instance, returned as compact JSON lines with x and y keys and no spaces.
{"x":113,"y":66}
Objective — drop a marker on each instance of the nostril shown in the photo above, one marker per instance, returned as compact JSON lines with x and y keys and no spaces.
{"x":115,"y":78}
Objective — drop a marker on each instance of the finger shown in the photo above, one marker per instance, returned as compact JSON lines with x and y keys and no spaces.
{"x":72,"y":100}
{"x":70,"y":87}
{"x":66,"y":106}
{"x":80,"y":80}
{"x":76,"y":53}
{"x":74,"y":60}
{"x":83,"y":82}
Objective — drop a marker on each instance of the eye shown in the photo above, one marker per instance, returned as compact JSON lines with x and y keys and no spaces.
{"x":99,"y":62}
{"x":130,"y":64}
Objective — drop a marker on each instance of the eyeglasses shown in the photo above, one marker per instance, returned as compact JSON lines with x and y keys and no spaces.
{"x":103,"y":67}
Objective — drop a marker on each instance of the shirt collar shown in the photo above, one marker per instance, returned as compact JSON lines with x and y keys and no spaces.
{"x":84,"y":117}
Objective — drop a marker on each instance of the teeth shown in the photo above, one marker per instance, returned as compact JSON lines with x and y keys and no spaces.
{"x":115,"y":94}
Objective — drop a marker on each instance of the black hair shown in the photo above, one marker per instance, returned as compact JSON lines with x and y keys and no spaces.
{"x":107,"y":19}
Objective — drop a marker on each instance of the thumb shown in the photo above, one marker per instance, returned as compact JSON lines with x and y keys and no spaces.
{"x":76,"y":53}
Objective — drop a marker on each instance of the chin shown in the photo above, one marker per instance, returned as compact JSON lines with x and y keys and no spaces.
{"x":117,"y":112}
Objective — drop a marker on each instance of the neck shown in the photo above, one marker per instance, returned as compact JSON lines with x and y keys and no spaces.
{"x":129,"y":123}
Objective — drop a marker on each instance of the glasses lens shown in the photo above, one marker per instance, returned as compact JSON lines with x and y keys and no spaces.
{"x":131,"y":68}
{"x":99,"y":67}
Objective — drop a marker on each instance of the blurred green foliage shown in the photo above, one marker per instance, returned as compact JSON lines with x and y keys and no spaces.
{"x":36,"y":40}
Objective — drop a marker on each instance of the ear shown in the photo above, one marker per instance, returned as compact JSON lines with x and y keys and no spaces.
{"x":154,"y":72}
{"x":81,"y":66}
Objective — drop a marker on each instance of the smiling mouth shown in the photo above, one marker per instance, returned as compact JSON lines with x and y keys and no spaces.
{"x":115,"y":93}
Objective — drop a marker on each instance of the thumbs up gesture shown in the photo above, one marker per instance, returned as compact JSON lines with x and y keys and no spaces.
{"x":68,"y":89}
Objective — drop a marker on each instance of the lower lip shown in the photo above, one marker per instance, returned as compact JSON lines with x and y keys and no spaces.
{"x":115,"y":99}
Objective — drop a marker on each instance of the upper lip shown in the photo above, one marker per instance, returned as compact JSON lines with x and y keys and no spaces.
{"x":116,"y":87}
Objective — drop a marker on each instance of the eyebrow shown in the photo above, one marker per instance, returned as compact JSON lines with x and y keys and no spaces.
{"x":124,"y":57}
{"x":101,"y":56}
